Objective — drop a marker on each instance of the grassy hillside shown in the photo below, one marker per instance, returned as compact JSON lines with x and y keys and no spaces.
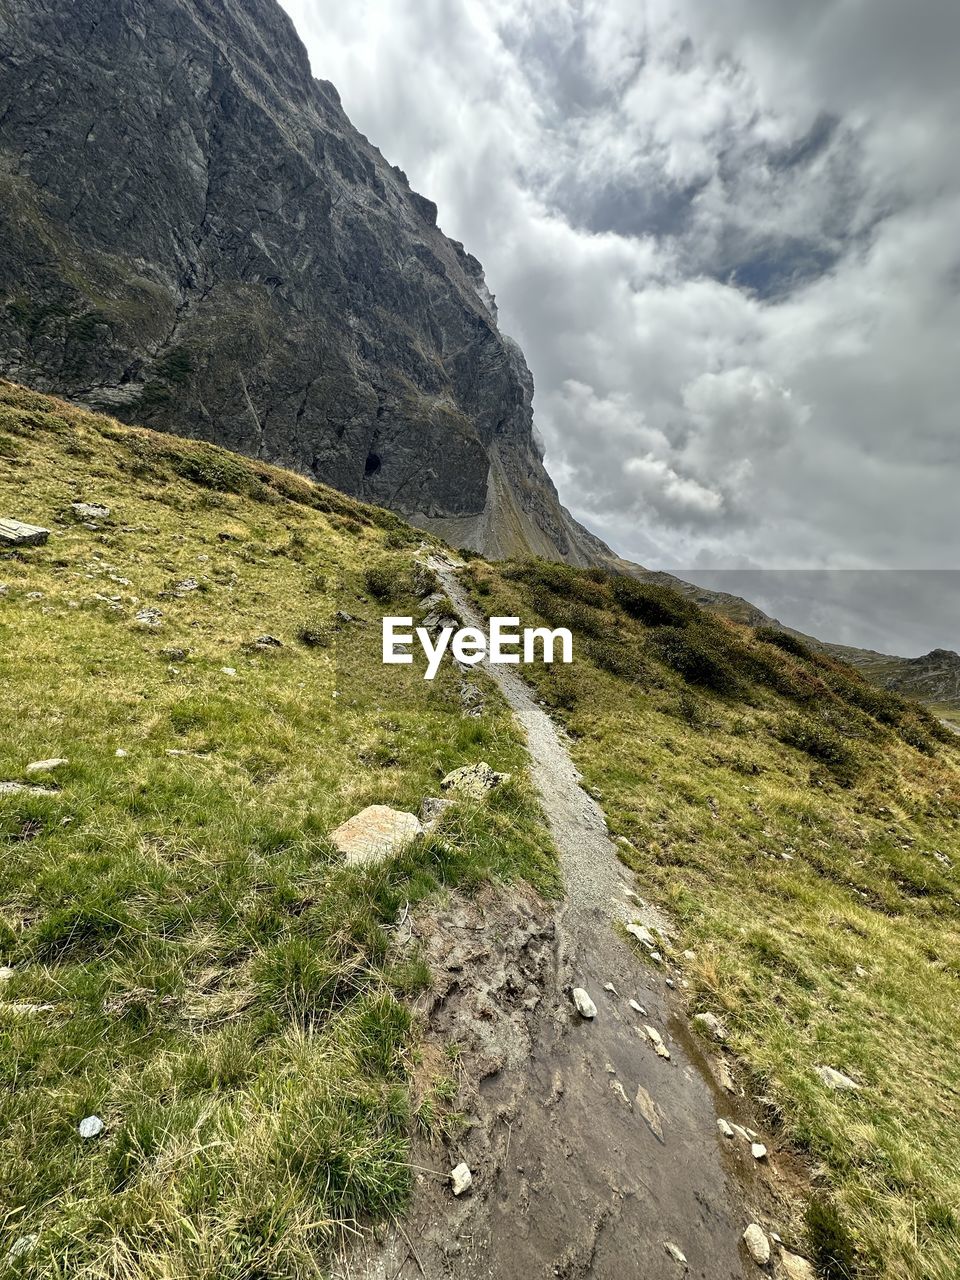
{"x":190,"y":961}
{"x":803,"y":828}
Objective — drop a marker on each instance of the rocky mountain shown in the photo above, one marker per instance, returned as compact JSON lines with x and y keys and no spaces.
{"x":195,"y":238}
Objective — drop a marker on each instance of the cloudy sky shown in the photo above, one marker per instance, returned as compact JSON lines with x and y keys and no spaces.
{"x":726,"y":236}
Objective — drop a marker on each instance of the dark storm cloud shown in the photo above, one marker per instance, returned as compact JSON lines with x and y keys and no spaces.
{"x":725,"y":236}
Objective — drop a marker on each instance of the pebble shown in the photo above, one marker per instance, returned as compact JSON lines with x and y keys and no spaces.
{"x":725,"y":1128}
{"x":638,"y":1008}
{"x":670,"y":982}
{"x":121,"y":754}
{"x":461,"y":1179}
{"x":758,"y":1151}
{"x":90,"y":1127}
{"x":584,"y":1005}
{"x":675,"y":1253}
{"x":758,"y":1246}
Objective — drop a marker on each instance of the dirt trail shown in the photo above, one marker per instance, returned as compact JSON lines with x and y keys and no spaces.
{"x":590,"y":1152}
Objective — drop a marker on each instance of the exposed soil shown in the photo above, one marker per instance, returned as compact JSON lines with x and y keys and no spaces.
{"x":589,"y":1152}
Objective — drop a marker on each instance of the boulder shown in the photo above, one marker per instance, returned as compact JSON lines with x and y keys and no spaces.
{"x":375,"y":834}
{"x":14,"y":533}
{"x":792,"y":1267}
{"x":473,"y":780}
{"x":758,"y":1246}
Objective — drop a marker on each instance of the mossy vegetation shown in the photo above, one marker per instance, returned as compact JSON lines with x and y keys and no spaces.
{"x":803,"y":829}
{"x":191,"y":960}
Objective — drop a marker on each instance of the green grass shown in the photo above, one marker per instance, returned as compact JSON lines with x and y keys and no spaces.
{"x":803,"y":829}
{"x":223,"y":993}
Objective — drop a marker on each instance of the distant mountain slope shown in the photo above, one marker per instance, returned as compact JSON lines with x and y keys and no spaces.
{"x":194,"y":237}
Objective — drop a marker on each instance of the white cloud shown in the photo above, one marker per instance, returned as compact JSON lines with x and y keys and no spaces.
{"x":725,"y":236}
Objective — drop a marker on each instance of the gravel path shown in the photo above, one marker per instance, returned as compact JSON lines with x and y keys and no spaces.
{"x":592,"y":1155}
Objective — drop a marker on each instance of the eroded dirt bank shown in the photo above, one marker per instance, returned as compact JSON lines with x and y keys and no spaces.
{"x":592,"y":1155}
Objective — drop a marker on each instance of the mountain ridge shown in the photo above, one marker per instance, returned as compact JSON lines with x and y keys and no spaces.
{"x":215,"y":250}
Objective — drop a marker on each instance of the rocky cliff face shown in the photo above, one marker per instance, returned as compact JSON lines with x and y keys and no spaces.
{"x":194,"y":237}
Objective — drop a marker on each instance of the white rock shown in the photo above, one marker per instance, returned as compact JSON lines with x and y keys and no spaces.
{"x":229,"y":671}
{"x":638,"y":1008}
{"x":670,"y":983}
{"x":725,"y":1128}
{"x":90,"y":510}
{"x":608,"y":986}
{"x":584,"y":1005}
{"x":793,"y":1267}
{"x":46,"y":766}
{"x":90,"y":1127}
{"x":14,"y":533}
{"x":650,"y":1112}
{"x":21,"y":1247}
{"x":461,"y":1179}
{"x":641,"y":933}
{"x":675,"y":1253}
{"x":657,"y":1041}
{"x":834,"y":1079}
{"x":758,"y":1246}
{"x":375,"y":833}
{"x":689,"y":955}
{"x":758,"y":1151}
{"x":742,"y":1133}
{"x":121,"y":754}
{"x":710,"y":1025}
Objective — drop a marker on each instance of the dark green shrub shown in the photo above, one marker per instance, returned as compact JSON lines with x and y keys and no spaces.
{"x":386,"y":580}
{"x":784,"y":640}
{"x":699,"y":654}
{"x":653,"y":604}
{"x":313,"y":635}
{"x":821,"y":742}
{"x":830,"y":1242}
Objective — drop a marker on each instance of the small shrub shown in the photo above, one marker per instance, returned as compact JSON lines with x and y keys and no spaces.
{"x":830,"y":1242}
{"x":560,"y":688}
{"x":385,"y":580}
{"x":821,"y":742}
{"x":652,"y":604}
{"x":313,"y":635}
{"x":785,"y":641}
{"x":697,"y":654}
{"x":691,"y":710}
